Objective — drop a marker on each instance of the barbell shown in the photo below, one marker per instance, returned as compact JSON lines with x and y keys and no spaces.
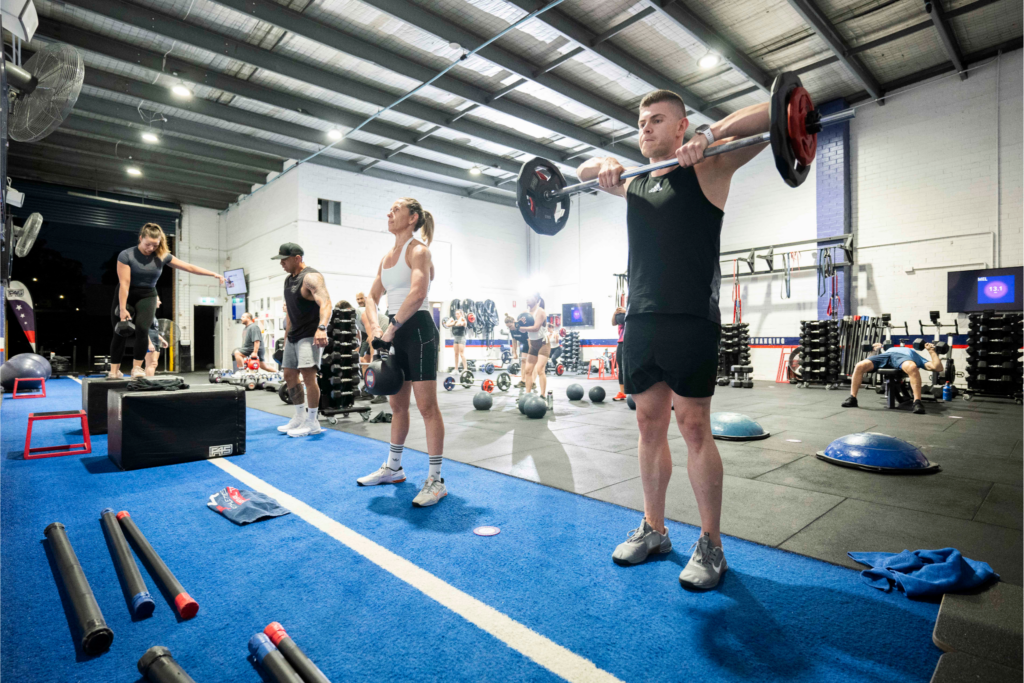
{"x":542,"y":192}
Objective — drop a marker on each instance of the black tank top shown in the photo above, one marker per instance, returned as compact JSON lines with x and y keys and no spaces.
{"x":674,"y":244}
{"x":303,"y":314}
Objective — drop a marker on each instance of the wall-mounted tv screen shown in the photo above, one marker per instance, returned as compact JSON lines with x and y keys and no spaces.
{"x":234,"y":280}
{"x":991,"y":289}
{"x":578,"y":315}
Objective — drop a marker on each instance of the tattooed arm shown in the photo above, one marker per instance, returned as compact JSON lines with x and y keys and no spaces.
{"x":314,"y":289}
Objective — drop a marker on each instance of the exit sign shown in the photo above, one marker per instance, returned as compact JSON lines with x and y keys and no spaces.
{"x":207,"y":301}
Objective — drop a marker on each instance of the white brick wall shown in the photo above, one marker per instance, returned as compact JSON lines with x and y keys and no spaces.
{"x":198,"y":243}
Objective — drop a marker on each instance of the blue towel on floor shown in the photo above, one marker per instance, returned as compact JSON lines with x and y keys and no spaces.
{"x":924,"y":572}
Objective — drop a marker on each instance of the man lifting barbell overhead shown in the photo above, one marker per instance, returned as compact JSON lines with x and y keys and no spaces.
{"x":909,"y":360}
{"x":672,"y":324}
{"x":405,"y":274}
{"x":307,"y":314}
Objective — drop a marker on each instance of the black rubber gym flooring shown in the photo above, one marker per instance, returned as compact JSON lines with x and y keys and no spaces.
{"x":776,"y":492}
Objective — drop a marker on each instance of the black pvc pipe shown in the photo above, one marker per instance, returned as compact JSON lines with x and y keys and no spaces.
{"x":96,"y":636}
{"x":142,"y":601}
{"x":158,"y":666}
{"x":273,"y":661}
{"x":183,"y":602}
{"x":302,"y":664}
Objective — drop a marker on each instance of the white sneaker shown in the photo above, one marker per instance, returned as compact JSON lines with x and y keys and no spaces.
{"x":306,"y":428}
{"x":433,"y":491}
{"x":385,"y":475}
{"x":294,"y":423}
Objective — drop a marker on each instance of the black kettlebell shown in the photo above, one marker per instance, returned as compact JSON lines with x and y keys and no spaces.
{"x":383,"y":377}
{"x":124,"y":328}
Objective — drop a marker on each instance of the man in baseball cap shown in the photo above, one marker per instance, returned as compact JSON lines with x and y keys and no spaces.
{"x":288,"y":249}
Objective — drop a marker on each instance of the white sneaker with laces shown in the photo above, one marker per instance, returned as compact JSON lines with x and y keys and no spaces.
{"x":294,"y":423}
{"x":385,"y":475}
{"x":433,"y":491}
{"x":307,"y":428}
{"x":706,"y":566}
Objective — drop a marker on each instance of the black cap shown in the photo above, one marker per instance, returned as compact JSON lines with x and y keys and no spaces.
{"x":288,"y":249}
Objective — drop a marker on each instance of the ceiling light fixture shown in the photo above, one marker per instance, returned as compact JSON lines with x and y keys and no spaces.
{"x":335,"y":134}
{"x":133,"y":171}
{"x":707,"y":61}
{"x":150,"y":138}
{"x":475,"y":170}
{"x":181,"y":90}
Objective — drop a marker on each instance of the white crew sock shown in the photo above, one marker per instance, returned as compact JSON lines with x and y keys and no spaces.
{"x":300,"y":412}
{"x":395,"y":456}
{"x":311,"y":414}
{"x":435,"y":467}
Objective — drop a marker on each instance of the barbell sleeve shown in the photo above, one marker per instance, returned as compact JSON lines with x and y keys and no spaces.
{"x":759,"y":139}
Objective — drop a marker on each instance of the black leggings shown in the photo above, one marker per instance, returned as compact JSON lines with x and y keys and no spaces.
{"x":143,"y":300}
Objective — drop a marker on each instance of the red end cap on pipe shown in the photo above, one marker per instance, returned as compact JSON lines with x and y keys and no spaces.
{"x":186,"y":606}
{"x":122,"y":514}
{"x":275,"y":632}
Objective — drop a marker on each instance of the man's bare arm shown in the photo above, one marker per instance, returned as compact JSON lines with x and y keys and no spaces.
{"x":313,"y":285}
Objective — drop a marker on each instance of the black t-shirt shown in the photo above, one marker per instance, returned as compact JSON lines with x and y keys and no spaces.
{"x":303,"y":314}
{"x":145,"y":269}
{"x":458,"y":330}
{"x":674,"y":246}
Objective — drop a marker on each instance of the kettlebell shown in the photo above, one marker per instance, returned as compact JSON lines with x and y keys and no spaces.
{"x":253,"y":364}
{"x":383,"y":377}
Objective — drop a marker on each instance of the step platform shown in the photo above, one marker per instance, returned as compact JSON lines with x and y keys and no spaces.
{"x":94,"y":400}
{"x":985,"y":626}
{"x":157,"y":428}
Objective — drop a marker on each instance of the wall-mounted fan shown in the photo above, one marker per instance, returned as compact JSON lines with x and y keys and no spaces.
{"x":17,"y":241}
{"x":43,"y":91}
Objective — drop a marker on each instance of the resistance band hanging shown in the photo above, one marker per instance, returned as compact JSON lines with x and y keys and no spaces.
{"x":784,"y":294}
{"x":737,"y":298}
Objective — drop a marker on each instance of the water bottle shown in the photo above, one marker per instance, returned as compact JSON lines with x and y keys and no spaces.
{"x":947,"y":392}
{"x":551,"y":400}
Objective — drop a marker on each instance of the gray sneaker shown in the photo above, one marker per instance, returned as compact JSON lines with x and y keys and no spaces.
{"x":641,"y":542}
{"x":706,"y":566}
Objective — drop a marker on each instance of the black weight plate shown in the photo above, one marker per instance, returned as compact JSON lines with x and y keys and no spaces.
{"x":791,"y":170}
{"x":545,"y":216}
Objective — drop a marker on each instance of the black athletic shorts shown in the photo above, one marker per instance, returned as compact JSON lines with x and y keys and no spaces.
{"x":416,"y":343}
{"x":680,"y":350}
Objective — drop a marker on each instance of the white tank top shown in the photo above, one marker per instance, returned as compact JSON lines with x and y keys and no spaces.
{"x":539,"y":334}
{"x":397,"y":282}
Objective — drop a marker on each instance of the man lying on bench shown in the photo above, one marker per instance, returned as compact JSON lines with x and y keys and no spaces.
{"x":909,"y":360}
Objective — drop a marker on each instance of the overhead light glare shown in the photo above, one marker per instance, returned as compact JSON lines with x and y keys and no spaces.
{"x":181,"y":91}
{"x":132,"y":170}
{"x":475,"y":170}
{"x":707,"y":61}
{"x":150,"y":138}
{"x":334,"y":134}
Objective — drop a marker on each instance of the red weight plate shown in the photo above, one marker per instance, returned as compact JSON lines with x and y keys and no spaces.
{"x":804,"y":144}
{"x":487,"y":386}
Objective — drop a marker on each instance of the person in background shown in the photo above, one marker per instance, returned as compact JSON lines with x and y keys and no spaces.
{"x":555,"y":341}
{"x":252,"y":345}
{"x":535,"y":364}
{"x":156,"y":342}
{"x":906,"y":359}
{"x":458,"y":326}
{"x":619,"y":319}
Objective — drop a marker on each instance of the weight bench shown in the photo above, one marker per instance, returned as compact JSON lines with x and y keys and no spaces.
{"x":892,"y":380}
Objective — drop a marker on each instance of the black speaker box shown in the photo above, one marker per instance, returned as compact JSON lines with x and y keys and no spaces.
{"x":156,"y":428}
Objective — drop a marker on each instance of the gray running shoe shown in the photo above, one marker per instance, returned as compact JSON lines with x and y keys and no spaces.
{"x":433,"y":490}
{"x":641,"y":542}
{"x":706,"y":566}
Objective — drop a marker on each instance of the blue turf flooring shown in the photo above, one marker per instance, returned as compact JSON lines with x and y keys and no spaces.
{"x":776,"y":616}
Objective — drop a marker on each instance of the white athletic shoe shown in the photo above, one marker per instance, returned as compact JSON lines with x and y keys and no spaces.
{"x":433,"y":491}
{"x":307,"y":428}
{"x":294,"y":423}
{"x":385,"y":475}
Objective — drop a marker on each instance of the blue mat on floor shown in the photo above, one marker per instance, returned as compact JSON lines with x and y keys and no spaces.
{"x":776,"y":616}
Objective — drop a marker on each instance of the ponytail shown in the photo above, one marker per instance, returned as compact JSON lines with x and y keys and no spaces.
{"x":152,"y":230}
{"x":425,"y":222}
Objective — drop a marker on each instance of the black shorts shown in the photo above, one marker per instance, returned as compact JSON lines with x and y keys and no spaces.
{"x":415,"y":347}
{"x":680,"y":350}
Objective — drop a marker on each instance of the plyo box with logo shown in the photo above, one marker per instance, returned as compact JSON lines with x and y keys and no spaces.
{"x":156,"y":428}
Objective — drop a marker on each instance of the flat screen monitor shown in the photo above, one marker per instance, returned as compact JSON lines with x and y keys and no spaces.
{"x":991,"y":289}
{"x":578,"y":315}
{"x":234,"y":280}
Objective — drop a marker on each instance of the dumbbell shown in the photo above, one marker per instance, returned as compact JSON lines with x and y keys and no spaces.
{"x":342,"y":335}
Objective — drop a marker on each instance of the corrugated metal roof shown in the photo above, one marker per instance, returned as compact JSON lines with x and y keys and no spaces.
{"x":988,"y":26}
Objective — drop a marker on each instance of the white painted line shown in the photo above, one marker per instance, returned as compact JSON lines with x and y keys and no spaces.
{"x":75,"y":378}
{"x":552,"y":656}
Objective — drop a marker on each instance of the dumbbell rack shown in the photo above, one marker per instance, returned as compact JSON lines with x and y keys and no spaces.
{"x":819,"y":353}
{"x":339,"y":373}
{"x":734,"y":349}
{"x":572,"y":358}
{"x":993,"y":355}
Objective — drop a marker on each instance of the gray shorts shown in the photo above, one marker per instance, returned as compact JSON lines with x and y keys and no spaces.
{"x":460,"y":340}
{"x":301,"y":354}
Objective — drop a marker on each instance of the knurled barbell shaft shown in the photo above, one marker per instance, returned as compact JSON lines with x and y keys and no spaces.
{"x":830,"y":120}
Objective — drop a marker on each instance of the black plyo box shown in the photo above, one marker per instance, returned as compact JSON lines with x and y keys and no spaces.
{"x":94,"y":401}
{"x":156,"y":428}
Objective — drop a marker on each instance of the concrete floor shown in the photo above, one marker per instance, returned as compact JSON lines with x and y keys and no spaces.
{"x":776,"y":492}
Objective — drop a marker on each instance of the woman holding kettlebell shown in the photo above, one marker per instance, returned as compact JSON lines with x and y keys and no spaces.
{"x":138,"y":269}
